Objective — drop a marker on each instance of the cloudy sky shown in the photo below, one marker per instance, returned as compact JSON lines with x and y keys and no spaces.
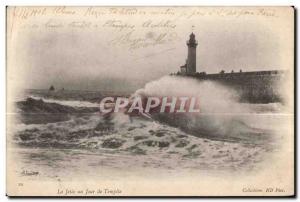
{"x":123,"y":52}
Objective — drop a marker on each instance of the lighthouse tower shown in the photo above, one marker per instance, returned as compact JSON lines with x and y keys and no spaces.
{"x":191,"y":58}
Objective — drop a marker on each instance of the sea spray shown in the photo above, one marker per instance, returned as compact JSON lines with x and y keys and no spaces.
{"x":221,"y":116}
{"x":213,"y":97}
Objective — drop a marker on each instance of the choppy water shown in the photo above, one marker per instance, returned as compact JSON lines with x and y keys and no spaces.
{"x":87,"y":142}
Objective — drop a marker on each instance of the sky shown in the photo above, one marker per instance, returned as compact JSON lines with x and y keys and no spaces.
{"x":122,"y":52}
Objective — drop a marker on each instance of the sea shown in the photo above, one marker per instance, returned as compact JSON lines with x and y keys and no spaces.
{"x":61,"y":135}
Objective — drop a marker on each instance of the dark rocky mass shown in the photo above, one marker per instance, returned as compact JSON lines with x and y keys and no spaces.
{"x":38,"y":112}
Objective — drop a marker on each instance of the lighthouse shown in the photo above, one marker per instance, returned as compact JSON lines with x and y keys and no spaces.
{"x":191,"y":58}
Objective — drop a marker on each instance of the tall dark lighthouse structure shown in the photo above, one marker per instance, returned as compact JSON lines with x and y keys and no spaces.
{"x":191,"y":58}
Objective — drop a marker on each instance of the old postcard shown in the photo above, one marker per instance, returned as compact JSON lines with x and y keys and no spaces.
{"x":150,"y":101}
